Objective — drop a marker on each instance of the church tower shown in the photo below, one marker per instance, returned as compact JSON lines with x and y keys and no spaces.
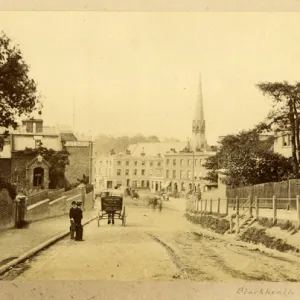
{"x":199,"y":140}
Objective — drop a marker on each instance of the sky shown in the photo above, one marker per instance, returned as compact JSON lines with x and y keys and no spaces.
{"x":130,"y":73}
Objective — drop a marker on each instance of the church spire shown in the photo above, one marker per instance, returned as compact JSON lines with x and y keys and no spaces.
{"x":198,"y":129}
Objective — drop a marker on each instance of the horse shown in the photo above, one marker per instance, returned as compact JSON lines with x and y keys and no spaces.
{"x":155,"y":201}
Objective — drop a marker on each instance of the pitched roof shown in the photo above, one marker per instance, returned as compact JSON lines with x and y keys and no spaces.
{"x":68,"y":136}
{"x":152,"y":149}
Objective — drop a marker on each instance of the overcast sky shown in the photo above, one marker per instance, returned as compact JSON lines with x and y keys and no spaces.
{"x":139,"y":72}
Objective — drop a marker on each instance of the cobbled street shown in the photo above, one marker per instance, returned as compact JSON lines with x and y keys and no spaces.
{"x":154,"y":246}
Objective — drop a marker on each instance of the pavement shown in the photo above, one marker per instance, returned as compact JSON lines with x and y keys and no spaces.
{"x":15,"y":242}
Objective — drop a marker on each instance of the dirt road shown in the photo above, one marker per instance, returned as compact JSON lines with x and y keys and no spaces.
{"x":154,"y":246}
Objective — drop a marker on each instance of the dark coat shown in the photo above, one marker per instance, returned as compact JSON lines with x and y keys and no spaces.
{"x":72,"y":212}
{"x":77,"y":216}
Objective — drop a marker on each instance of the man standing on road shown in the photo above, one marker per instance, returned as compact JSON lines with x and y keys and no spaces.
{"x":77,"y":220}
{"x":72,"y":222}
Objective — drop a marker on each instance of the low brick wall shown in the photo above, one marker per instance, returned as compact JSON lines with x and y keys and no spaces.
{"x":38,"y":211}
{"x":57,"y":207}
{"x":7,"y":210}
{"x":89,"y":201}
{"x":36,"y":198}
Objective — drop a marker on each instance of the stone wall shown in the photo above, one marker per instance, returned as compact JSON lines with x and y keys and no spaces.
{"x":5,"y":167}
{"x":7,"y":210}
{"x":79,"y":163}
{"x":38,"y":211}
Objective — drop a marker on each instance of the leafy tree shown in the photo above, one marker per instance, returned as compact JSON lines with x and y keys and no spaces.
{"x":248,"y":160}
{"x":18,"y":93}
{"x":285,"y":113}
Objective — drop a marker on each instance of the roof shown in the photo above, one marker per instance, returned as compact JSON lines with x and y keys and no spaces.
{"x":152,"y":149}
{"x":68,"y":136}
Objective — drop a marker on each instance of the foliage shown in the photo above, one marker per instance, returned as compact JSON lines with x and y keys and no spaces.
{"x":5,"y":184}
{"x":57,"y":159}
{"x":89,"y":188}
{"x":248,"y":160}
{"x":85,"y":179}
{"x":285,"y":113}
{"x":18,"y":93}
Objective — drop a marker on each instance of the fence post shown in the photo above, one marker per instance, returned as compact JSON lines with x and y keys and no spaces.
{"x":236,"y":201}
{"x":219,"y":205}
{"x":237,"y":215}
{"x":205,"y":205}
{"x":256,"y":207}
{"x":210,"y":205}
{"x":298,"y":209}
{"x":197,"y":203}
{"x":231,"y":224}
{"x":226,"y":211}
{"x":201,"y":204}
{"x":250,"y":206}
{"x":274,"y":210}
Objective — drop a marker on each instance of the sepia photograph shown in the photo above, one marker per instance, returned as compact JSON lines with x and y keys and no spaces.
{"x":150,"y":147}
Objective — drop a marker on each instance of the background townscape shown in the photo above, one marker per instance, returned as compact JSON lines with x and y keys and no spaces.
{"x":147,"y":131}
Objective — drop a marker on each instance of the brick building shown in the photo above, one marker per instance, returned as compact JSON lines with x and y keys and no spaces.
{"x":81,"y":160}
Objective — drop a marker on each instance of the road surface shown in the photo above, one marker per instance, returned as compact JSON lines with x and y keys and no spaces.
{"x":153,"y":246}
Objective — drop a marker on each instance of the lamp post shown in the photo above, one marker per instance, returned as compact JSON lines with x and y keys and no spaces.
{"x":193,"y":172}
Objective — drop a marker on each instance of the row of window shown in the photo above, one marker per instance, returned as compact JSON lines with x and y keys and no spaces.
{"x":135,"y":163}
{"x":186,"y":162}
{"x":182,"y":173}
{"x":135,"y":172}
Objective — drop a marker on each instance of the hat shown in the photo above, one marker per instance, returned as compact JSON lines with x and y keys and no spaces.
{"x":73,"y":202}
{"x":78,"y":203}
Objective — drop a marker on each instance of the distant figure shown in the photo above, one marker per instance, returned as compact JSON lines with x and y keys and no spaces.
{"x":77,"y":220}
{"x":72,"y":222}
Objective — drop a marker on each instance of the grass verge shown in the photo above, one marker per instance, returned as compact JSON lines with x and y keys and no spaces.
{"x":258,"y":236}
{"x":209,"y":222}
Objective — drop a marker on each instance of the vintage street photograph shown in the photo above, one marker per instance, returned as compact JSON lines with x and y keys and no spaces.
{"x":150,"y":147}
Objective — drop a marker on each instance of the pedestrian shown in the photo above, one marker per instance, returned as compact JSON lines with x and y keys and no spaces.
{"x":72,"y":222}
{"x":77,"y":219}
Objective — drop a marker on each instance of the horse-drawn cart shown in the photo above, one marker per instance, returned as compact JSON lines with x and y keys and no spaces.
{"x":111,"y":208}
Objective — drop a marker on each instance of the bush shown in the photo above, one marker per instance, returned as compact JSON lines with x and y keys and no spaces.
{"x":209,"y":222}
{"x":259,"y":236}
{"x":9,"y":187}
{"x":89,"y":188}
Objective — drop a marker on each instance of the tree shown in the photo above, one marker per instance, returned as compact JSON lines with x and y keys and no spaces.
{"x":18,"y":93}
{"x":285,"y":113}
{"x":248,"y":160}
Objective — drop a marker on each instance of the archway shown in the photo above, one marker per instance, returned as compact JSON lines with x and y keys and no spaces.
{"x":38,"y":177}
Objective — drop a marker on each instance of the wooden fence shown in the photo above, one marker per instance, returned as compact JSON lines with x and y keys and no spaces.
{"x":285,"y":192}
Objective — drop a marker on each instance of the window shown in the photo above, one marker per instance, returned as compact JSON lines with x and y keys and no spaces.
{"x":181,"y":174}
{"x":143,"y":172}
{"x":174,"y":173}
{"x":127,"y":162}
{"x":167,"y":161}
{"x":135,"y":163}
{"x":151,"y":163}
{"x":143,"y":183}
{"x":38,"y":143}
{"x":174,"y":162}
{"x":167,"y":174}
{"x":158,"y":163}
{"x":143,"y":162}
{"x":126,"y":172}
{"x":158,"y":172}
{"x":148,"y":183}
{"x":118,"y":172}
{"x":150,"y":172}
{"x":135,"y":172}
{"x":189,"y":175}
{"x":119,"y":163}
{"x":181,"y":162}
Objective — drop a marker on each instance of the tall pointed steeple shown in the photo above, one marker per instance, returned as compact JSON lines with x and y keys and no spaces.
{"x":198,"y":129}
